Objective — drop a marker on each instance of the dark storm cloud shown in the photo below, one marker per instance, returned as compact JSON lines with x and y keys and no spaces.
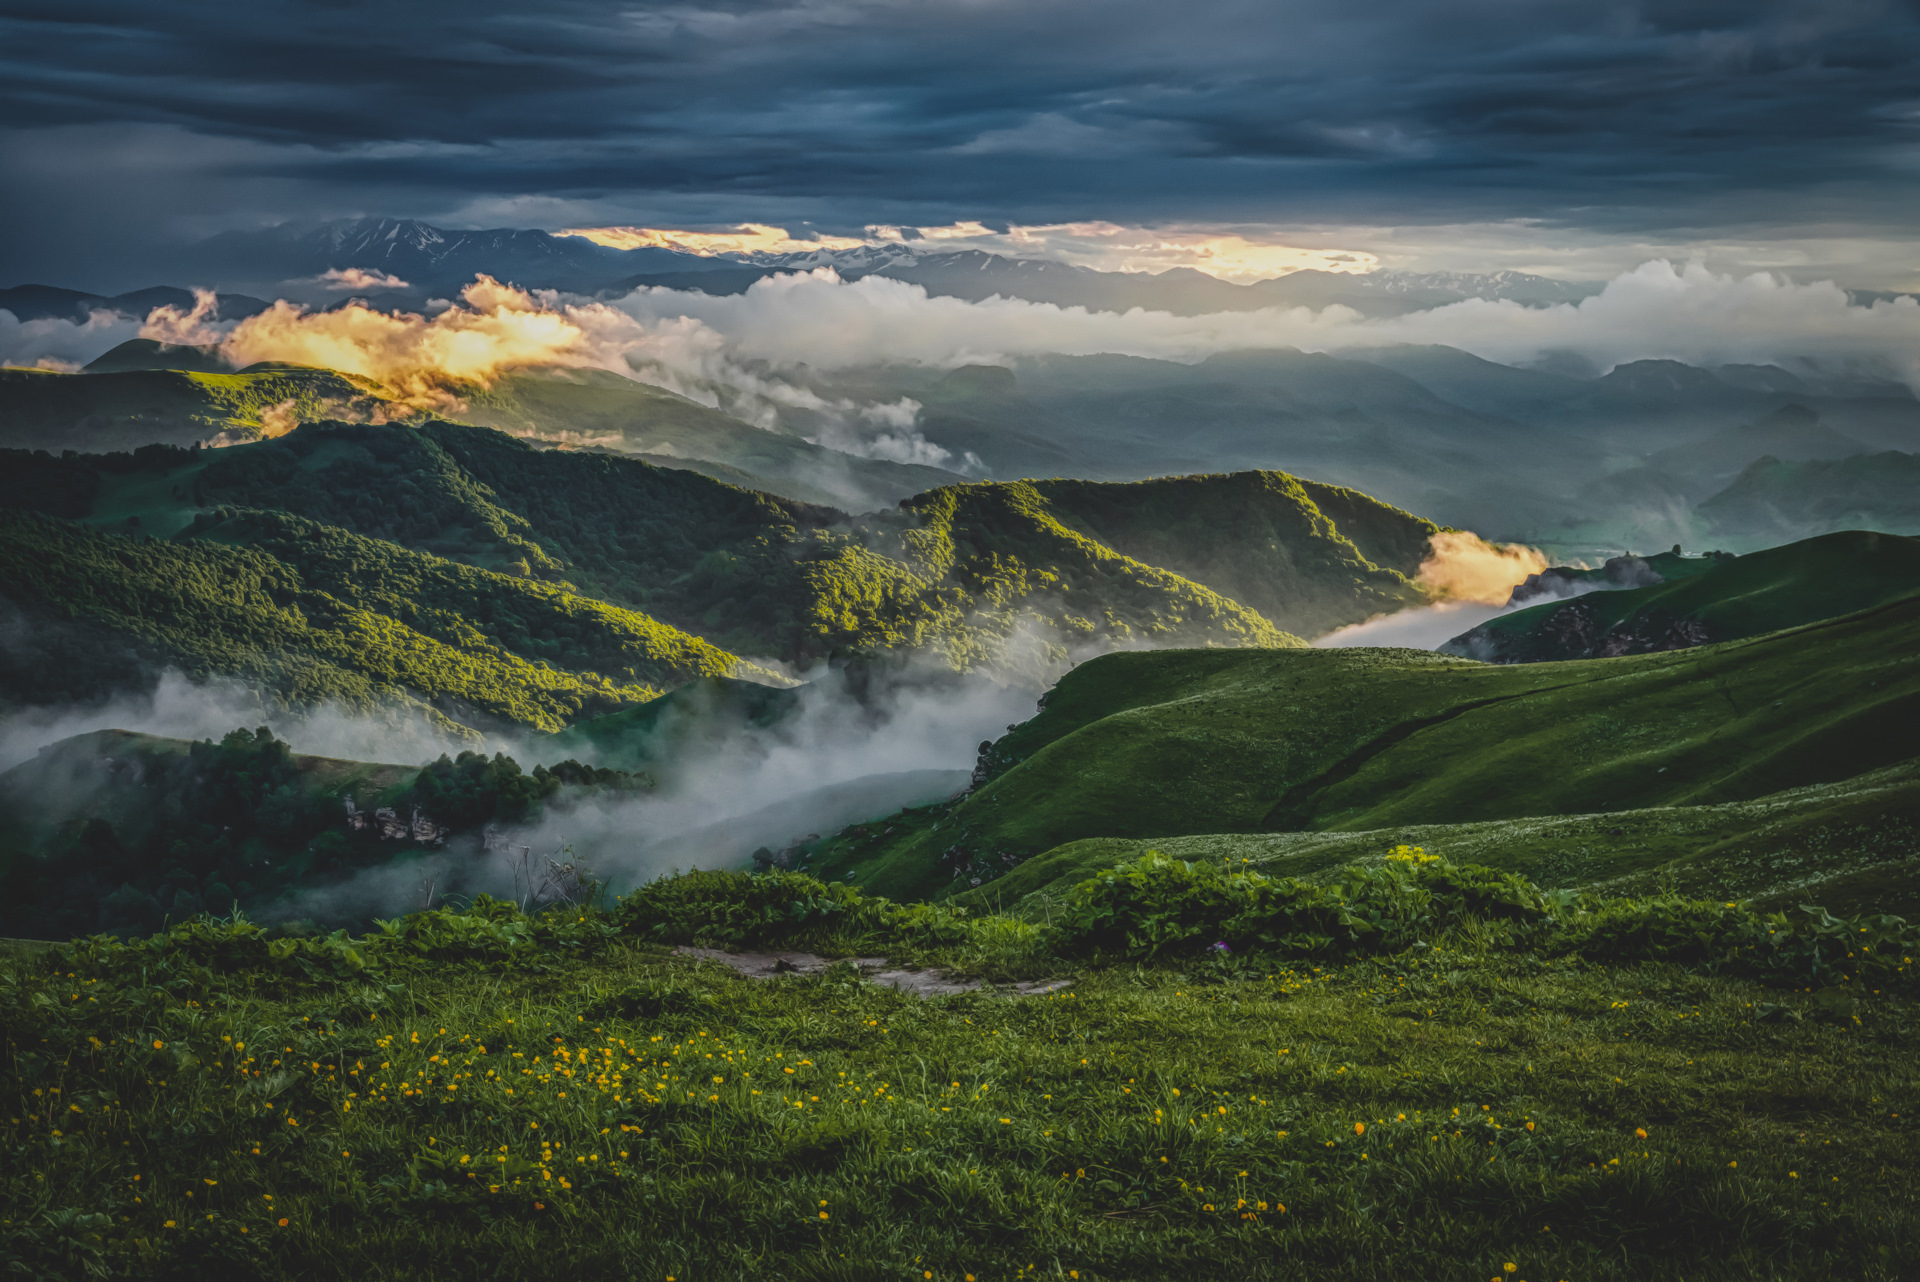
{"x":1648,"y":116}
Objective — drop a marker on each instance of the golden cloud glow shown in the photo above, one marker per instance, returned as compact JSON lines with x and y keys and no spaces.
{"x":1465,"y":567}
{"x":417,"y":357}
{"x":1107,"y":247}
{"x":747,"y":238}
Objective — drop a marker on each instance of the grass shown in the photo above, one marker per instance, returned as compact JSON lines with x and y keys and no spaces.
{"x":1851,"y":847}
{"x":627,"y":1112}
{"x":1147,"y":746}
{"x":1783,"y":587}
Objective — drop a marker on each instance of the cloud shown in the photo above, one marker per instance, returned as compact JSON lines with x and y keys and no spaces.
{"x":61,"y":344}
{"x":1777,"y":118}
{"x":744,"y":239}
{"x":358,"y":278}
{"x":1656,"y":311}
{"x":180,"y":708}
{"x":194,"y":327}
{"x":1464,"y":567}
{"x":1425,"y":628}
{"x":418,"y":356}
{"x":743,"y":352}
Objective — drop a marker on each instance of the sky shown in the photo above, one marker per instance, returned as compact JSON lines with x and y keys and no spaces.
{"x":1573,"y":138}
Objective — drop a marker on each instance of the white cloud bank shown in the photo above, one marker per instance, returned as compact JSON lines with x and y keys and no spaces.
{"x":705,"y":345}
{"x":1656,"y":311}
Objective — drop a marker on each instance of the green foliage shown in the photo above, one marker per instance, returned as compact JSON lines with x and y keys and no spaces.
{"x":778,"y":908}
{"x":171,"y":829}
{"x":316,"y":614}
{"x":1173,"y":743}
{"x":1155,"y":905}
{"x":179,"y":828}
{"x":1809,"y":946}
{"x":490,"y":931}
{"x":1717,"y":599}
{"x":470,"y":790}
{"x":487,"y":1093}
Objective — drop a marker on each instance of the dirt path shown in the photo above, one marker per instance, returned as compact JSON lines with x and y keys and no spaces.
{"x":921,"y":983}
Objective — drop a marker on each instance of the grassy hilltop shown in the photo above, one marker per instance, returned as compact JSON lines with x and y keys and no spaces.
{"x":1180,"y":743}
{"x":1713,"y":600}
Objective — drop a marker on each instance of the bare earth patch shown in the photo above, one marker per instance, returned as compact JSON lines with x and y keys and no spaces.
{"x":921,"y":983}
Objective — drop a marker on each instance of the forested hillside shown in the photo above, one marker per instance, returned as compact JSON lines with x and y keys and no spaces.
{"x":146,"y":393}
{"x":313,"y":613}
{"x":126,"y":409}
{"x":486,"y":577}
{"x":112,"y":831}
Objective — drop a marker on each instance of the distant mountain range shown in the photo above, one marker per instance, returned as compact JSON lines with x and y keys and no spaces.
{"x":1634,"y":459}
{"x":1620,"y":461}
{"x":407,"y":262}
{"x":49,"y":302}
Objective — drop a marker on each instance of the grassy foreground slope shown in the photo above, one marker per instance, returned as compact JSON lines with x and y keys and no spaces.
{"x":1782,"y":587}
{"x":1179,"y":743}
{"x":485,"y":1094}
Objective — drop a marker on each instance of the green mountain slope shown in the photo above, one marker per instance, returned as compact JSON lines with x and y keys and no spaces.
{"x":1015,"y":576}
{"x":1721,"y":601}
{"x":1310,"y":557}
{"x":1188,"y":742}
{"x":598,"y":408}
{"x":315,"y":613}
{"x":144,"y":393}
{"x":1851,"y":847}
{"x":98,"y":413}
{"x":1773,"y":500}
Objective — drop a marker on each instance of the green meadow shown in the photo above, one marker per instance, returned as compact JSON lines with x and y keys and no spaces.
{"x":1411,"y":1069}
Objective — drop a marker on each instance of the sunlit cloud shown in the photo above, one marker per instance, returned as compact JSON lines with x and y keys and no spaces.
{"x":1238,"y":255}
{"x":1231,"y":256}
{"x":194,"y":327}
{"x":1462,"y":566}
{"x":359,"y":278}
{"x":499,"y":329}
{"x":747,"y":238}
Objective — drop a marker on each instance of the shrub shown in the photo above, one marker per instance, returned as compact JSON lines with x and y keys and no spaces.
{"x":1156,"y":904}
{"x":1810,"y":947}
{"x":776,"y":908}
